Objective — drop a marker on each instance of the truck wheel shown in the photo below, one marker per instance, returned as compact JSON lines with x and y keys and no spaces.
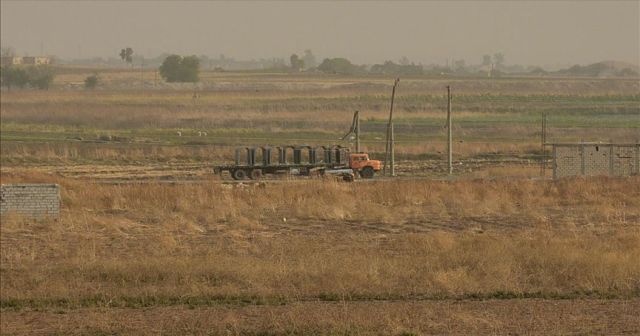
{"x":255,"y":174}
{"x":239,"y":174}
{"x":367,"y":172}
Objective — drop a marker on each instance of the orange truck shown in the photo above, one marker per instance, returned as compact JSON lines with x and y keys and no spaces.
{"x":361,"y":163}
{"x":254,"y":162}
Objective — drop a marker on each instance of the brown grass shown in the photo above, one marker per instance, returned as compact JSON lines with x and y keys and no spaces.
{"x":504,"y":255}
{"x":150,"y":245}
{"x":441,"y":317}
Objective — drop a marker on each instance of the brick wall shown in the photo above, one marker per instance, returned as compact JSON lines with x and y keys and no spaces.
{"x":585,"y":159}
{"x":32,"y":200}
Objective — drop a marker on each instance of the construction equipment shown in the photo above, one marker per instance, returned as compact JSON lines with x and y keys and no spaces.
{"x":355,"y":130}
{"x":301,"y":160}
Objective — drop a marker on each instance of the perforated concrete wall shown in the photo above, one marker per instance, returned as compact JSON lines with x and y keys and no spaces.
{"x":596,"y":159}
{"x":32,"y":200}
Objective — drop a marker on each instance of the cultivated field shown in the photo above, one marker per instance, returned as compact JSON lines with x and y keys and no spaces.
{"x":150,"y":242}
{"x":496,"y":121}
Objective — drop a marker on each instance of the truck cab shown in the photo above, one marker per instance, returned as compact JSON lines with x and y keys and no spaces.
{"x":361,"y":163}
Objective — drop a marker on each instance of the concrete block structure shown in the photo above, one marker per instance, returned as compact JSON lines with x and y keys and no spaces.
{"x":30,"y":200}
{"x":591,"y":159}
{"x":26,"y":60}
{"x":11,"y":60}
{"x":35,"y":60}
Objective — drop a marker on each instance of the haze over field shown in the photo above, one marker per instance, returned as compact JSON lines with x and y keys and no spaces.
{"x":527,"y":32}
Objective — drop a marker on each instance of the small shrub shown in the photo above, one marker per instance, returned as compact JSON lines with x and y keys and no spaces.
{"x":91,"y":82}
{"x":40,"y":76}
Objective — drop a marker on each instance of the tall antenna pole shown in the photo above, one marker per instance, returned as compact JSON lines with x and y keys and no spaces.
{"x":389,"y":148}
{"x":449,"y":133}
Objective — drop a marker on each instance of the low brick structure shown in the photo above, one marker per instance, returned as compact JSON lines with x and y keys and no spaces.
{"x":31,"y":200}
{"x":590,"y":159}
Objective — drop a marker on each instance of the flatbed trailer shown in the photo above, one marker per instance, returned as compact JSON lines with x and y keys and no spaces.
{"x":241,"y":172}
{"x":255,"y":162}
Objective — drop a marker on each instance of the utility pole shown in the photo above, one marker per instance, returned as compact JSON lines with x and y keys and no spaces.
{"x":357,"y":132}
{"x":449,"y":133}
{"x":390,"y":143}
{"x":543,"y":142}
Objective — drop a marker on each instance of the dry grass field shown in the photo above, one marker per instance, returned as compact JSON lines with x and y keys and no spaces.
{"x":490,"y":251}
{"x":431,"y":257}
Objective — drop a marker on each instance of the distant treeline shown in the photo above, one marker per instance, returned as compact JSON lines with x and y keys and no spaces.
{"x":490,"y":66}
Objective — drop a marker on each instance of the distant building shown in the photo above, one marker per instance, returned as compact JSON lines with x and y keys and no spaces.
{"x":11,"y":60}
{"x":27,"y":60}
{"x":36,"y":60}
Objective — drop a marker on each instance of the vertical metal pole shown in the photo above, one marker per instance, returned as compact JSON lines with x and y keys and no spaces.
{"x":393,"y":151}
{"x":391,"y":130}
{"x":637,"y":157}
{"x":389,"y":147}
{"x":582,"y":163}
{"x":449,"y":133}
{"x":357,"y":132}
{"x":543,"y":148}
{"x":555,"y":163}
{"x":386,"y":153}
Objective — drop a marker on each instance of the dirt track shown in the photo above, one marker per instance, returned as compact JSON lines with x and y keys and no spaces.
{"x":185,"y":171}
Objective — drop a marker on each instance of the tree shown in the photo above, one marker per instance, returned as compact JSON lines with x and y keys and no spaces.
{"x":190,"y":69}
{"x":176,"y":68}
{"x":486,"y":59}
{"x":127,"y":55}
{"x":309,"y":59}
{"x":339,"y":66}
{"x":13,"y":76}
{"x":296,"y":63}
{"x":170,"y":68}
{"x":7,"y":52}
{"x":91,"y":82}
{"x":390,"y":68}
{"x":40,"y":76}
{"x":498,"y":59}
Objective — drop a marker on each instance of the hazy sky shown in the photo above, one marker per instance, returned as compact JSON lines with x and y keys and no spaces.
{"x":536,"y":32}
